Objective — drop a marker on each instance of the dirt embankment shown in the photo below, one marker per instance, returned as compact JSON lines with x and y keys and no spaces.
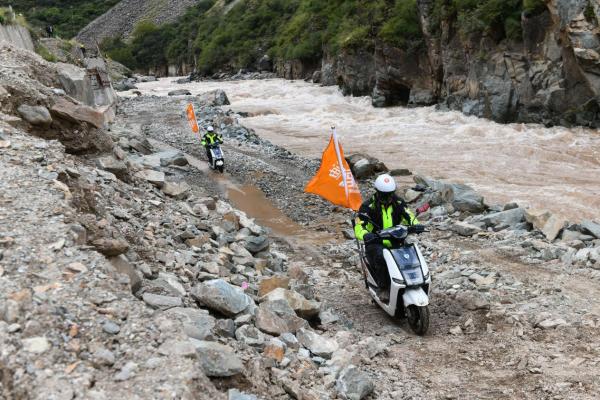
{"x":128,"y":258}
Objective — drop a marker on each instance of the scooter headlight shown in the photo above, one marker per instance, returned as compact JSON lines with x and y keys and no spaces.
{"x":219,"y":163}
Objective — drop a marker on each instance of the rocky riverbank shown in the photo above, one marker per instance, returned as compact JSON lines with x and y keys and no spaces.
{"x":131,"y":270}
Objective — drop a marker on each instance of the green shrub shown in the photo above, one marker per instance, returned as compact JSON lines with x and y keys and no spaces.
{"x":45,"y":54}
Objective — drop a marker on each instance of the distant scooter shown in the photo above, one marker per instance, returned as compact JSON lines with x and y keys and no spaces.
{"x":218,"y":160}
{"x":410,"y":280}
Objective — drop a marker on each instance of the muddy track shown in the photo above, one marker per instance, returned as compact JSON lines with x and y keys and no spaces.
{"x":494,"y":356}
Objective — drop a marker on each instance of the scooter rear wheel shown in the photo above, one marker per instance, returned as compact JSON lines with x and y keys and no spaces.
{"x":221,"y":168}
{"x":418,"y":319}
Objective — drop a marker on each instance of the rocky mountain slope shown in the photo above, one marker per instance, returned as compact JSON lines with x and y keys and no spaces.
{"x":130,"y":270}
{"x":530,"y":61}
{"x":120,"y":21}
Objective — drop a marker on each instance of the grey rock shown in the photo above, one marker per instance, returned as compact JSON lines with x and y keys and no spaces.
{"x":126,"y":372}
{"x":178,"y":190}
{"x":122,"y":265}
{"x":235,"y":394}
{"x":317,"y":344}
{"x":592,"y":228}
{"x":180,"y":92}
{"x":465,"y":198}
{"x":197,"y":324}
{"x":36,"y":345}
{"x":35,"y":115}
{"x":465,"y":229}
{"x":178,"y":348}
{"x":111,"y":328}
{"x":156,"y":178}
{"x":111,"y":164}
{"x":290,"y":340}
{"x":214,"y":98}
{"x":353,"y":384}
{"x":225,"y":328}
{"x":509,"y":217}
{"x":251,"y":336}
{"x":220,"y":296}
{"x":217,"y":360}
{"x":161,"y":302}
{"x":173,"y":158}
{"x":256,"y":244}
{"x":277,"y":317}
{"x":103,"y":357}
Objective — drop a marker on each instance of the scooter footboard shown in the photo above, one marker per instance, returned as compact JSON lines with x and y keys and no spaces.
{"x":416,"y":297}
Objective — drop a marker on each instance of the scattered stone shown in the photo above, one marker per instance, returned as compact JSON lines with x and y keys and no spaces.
{"x":173,"y":158}
{"x":235,"y":394}
{"x":277,"y":317}
{"x":256,"y":244}
{"x":269,"y":284}
{"x":112,"y":165}
{"x":110,"y":247}
{"x":217,"y":360}
{"x":103,"y":357}
{"x":178,"y":348}
{"x":317,"y":344}
{"x":592,"y":228}
{"x":552,"y":323}
{"x":275,"y":349}
{"x":353,"y":384}
{"x":156,"y":178}
{"x":161,"y":302}
{"x":126,"y":372}
{"x":465,"y":229}
{"x":35,"y":115}
{"x":251,"y":336}
{"x":220,"y":296}
{"x":303,"y":307}
{"x":36,"y":345}
{"x":457,"y":330}
{"x":178,"y":190}
{"x":111,"y":328}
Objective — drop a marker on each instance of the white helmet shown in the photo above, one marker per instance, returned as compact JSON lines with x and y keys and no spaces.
{"x":385,"y":184}
{"x":210,"y":128}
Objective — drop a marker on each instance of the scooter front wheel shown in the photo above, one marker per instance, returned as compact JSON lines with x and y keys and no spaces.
{"x":418,"y":319}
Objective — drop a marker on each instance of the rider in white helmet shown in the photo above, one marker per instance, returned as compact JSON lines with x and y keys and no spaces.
{"x":386,"y":210}
{"x":210,"y":138}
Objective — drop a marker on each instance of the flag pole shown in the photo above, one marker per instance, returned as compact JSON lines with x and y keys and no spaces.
{"x":342,"y":169}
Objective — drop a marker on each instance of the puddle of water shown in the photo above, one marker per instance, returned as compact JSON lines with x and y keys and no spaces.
{"x":254,"y":203}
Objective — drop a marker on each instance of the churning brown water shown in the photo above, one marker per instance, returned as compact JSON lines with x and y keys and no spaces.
{"x":554,"y":168}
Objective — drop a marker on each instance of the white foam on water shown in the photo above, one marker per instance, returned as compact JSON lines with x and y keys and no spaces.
{"x":554,"y":168}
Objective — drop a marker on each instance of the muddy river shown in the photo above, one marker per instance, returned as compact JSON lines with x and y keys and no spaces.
{"x":554,"y":168}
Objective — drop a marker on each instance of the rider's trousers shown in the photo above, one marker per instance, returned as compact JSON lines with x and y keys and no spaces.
{"x":374,"y":252}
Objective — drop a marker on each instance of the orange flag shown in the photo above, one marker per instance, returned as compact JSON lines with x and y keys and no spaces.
{"x":334,"y":180}
{"x":191,"y":116}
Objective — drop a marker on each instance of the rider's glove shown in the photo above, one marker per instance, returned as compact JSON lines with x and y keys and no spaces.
{"x":369,"y":237}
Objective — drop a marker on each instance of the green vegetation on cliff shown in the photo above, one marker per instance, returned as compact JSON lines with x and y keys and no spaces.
{"x":221,"y":34}
{"x":66,"y":16}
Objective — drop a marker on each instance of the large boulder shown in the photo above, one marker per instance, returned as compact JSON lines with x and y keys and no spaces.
{"x":76,"y":113}
{"x":156,"y":178}
{"x":220,"y":296}
{"x":214,"y":98}
{"x":363,"y":166}
{"x":549,"y":224}
{"x":462,"y":197}
{"x":277,"y":317}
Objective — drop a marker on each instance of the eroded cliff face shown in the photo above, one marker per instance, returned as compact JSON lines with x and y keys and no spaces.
{"x":551,"y":77}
